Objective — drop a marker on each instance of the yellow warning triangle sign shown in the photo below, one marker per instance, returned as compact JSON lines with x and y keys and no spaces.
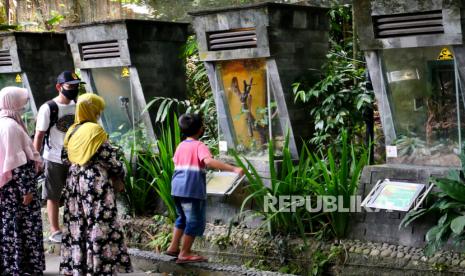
{"x":125,"y":72}
{"x":445,"y":54}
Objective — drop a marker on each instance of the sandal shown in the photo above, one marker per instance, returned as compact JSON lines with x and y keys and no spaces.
{"x":191,"y":259}
{"x":171,"y":253}
{"x":55,"y":237}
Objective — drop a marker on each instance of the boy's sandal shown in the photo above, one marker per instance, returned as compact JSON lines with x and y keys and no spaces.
{"x":171,"y":253}
{"x":191,"y":259}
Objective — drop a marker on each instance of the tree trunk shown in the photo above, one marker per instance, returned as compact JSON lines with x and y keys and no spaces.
{"x":7,"y":11}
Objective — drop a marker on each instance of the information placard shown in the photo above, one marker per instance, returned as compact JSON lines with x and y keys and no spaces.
{"x":222,"y":183}
{"x":395,"y":195}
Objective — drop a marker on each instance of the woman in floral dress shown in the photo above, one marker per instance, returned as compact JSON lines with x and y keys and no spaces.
{"x":21,"y":244}
{"x":93,"y":243}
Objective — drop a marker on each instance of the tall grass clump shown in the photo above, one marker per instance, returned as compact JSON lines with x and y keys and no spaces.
{"x":335,"y":172}
{"x":160,"y":166}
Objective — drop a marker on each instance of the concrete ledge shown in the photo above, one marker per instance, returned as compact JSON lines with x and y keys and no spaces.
{"x":246,"y":247}
{"x":160,"y":263}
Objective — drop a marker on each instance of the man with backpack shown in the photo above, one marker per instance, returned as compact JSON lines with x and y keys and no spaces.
{"x":53,"y":120}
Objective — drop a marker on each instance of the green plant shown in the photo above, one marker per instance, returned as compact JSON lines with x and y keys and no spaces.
{"x":206,"y":108}
{"x":440,"y":267}
{"x":339,"y":175}
{"x":135,"y":139}
{"x":320,"y":260}
{"x":198,"y":86}
{"x":449,"y":206}
{"x":54,"y":20}
{"x":160,"y":242}
{"x":291,"y":268}
{"x":199,"y":96}
{"x":291,"y":179}
{"x":160,"y":167}
{"x":29,"y":121}
{"x":409,"y":145}
{"x":335,"y":173}
{"x":138,"y":192}
{"x":222,"y":241}
{"x":340,"y":99}
{"x":337,"y":102}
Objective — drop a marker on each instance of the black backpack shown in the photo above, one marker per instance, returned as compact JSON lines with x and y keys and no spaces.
{"x":52,"y":105}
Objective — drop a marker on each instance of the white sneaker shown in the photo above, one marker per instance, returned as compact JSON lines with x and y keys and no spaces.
{"x":55,"y":237}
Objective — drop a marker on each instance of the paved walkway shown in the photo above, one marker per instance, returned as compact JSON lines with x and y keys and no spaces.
{"x":54,"y":261}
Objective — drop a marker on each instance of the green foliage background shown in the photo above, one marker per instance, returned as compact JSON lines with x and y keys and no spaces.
{"x":340,"y":100}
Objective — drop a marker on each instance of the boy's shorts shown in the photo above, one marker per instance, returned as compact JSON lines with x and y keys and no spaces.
{"x":191,"y":215}
{"x":55,"y":179}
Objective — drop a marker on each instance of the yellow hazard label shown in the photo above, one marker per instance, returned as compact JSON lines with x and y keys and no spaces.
{"x":18,"y":78}
{"x":445,"y":54}
{"x":125,"y":72}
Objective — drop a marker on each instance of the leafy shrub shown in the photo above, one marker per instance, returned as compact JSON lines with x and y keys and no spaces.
{"x":340,"y":100}
{"x":200,"y":97}
{"x":289,"y":180}
{"x":339,"y":174}
{"x":207,"y":109}
{"x":449,"y":206}
{"x":310,"y":176}
{"x":138,"y":191}
{"x":159,"y":166}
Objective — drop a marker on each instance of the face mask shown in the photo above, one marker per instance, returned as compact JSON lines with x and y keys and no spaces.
{"x":70,"y":94}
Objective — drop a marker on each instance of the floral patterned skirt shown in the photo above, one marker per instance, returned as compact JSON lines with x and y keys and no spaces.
{"x":21,"y":240}
{"x":93,"y":243}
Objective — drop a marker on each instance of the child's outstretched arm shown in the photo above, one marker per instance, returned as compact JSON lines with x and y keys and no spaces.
{"x":219,"y":165}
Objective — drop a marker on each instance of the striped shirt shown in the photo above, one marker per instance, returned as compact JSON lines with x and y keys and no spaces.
{"x":189,"y":178}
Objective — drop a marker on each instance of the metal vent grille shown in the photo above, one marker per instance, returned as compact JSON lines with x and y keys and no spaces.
{"x":232,"y":39}
{"x":5,"y":58}
{"x":408,"y":24}
{"x":100,"y":50}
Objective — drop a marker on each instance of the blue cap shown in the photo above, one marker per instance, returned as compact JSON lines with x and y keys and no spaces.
{"x":68,"y":77}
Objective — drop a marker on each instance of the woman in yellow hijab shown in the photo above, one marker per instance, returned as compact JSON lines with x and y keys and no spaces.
{"x":90,"y":206}
{"x":86,"y":134}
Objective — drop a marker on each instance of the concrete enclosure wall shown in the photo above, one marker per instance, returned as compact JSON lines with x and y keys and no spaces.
{"x":293,"y":39}
{"x":155,"y":51}
{"x":42,"y":56}
{"x":153,"y":48}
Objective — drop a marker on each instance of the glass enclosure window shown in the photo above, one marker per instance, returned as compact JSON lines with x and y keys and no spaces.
{"x":121,"y":113}
{"x":277,"y":133}
{"x":14,"y":79}
{"x":422,"y":94}
{"x":246,"y":100}
{"x":9,"y":79}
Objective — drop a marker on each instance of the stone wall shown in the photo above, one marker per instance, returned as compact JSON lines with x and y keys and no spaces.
{"x":299,"y":43}
{"x":294,"y":41}
{"x":156,"y":53}
{"x":251,"y":248}
{"x":42,"y":57}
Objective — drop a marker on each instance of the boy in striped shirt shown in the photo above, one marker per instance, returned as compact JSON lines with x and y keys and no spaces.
{"x":188,"y":187}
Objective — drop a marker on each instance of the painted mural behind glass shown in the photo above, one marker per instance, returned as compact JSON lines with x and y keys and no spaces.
{"x":245,"y":94}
